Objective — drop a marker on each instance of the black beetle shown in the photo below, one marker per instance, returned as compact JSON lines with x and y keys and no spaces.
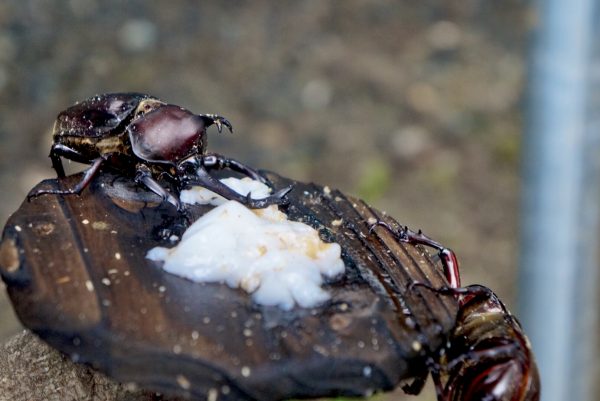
{"x":487,"y":357}
{"x":138,"y":133}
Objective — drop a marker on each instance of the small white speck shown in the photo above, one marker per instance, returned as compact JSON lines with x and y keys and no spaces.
{"x":85,"y":221}
{"x":337,"y":223}
{"x":126,"y":273}
{"x":117,"y":256}
{"x":367,"y":370}
{"x":326,"y":190}
{"x":113,"y":271}
{"x":206,"y":320}
{"x":183,"y":382}
{"x":212,"y":395}
{"x":416,"y":346}
{"x":247,"y":332}
{"x":18,"y":228}
{"x":245,"y":371}
{"x":195,"y":335}
{"x":361,"y":344}
{"x":162,"y":288}
{"x":371,"y":221}
{"x":106,"y":281}
{"x":89,"y":285}
{"x":177,"y":349}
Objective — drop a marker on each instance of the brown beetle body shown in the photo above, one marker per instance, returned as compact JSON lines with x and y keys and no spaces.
{"x":140,"y":135}
{"x":487,"y":357}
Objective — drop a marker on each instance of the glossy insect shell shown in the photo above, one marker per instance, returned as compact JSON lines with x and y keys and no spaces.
{"x":167,"y":134}
{"x":98,"y":116}
{"x":485,"y":325}
{"x":131,"y":124}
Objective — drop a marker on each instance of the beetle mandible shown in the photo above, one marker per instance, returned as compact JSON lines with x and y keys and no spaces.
{"x":143,"y":136}
{"x":487,"y":356}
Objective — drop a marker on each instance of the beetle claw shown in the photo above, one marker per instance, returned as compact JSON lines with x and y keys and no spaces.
{"x":278,"y":198}
{"x":219,"y":121}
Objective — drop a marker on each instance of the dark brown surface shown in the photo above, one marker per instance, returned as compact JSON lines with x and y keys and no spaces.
{"x":139,"y":324}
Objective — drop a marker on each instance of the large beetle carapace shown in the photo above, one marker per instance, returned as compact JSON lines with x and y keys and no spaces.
{"x":140,"y":135}
{"x":487,"y":357}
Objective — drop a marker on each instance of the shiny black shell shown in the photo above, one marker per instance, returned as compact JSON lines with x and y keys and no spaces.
{"x":134,"y":126}
{"x":99,"y":116}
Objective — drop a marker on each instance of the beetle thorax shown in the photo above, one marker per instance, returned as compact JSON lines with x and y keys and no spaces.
{"x":167,"y":134}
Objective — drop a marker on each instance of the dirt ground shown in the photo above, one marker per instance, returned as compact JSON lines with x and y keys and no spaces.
{"x":413,"y":106}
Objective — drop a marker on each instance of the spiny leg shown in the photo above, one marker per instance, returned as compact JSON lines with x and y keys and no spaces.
{"x":144,"y":176}
{"x":218,"y":161}
{"x":57,"y":163}
{"x":416,"y":385}
{"x":219,"y":121}
{"x":203,"y":179}
{"x":475,"y":291}
{"x":440,"y":391}
{"x":449,"y":259}
{"x":81,"y":185}
{"x":59,"y":150}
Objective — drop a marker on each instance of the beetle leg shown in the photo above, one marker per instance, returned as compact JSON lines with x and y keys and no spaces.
{"x":416,"y":386}
{"x":144,"y":176}
{"x":449,"y":259}
{"x":59,"y":150}
{"x":217,"y":120}
{"x":57,"y":163}
{"x":203,"y":179}
{"x":474,"y":290}
{"x":76,"y":190}
{"x":215,"y":160}
{"x":440,"y":391}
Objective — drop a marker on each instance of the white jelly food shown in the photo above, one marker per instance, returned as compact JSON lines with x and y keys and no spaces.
{"x":280,"y":262}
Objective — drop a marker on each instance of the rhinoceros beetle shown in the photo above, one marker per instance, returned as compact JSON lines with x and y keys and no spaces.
{"x":149,"y":139}
{"x":487,"y":357}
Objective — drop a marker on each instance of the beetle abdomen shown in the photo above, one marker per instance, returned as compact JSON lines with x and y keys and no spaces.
{"x":93,"y":147}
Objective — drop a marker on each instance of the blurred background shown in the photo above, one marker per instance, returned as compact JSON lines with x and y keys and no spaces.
{"x":416,"y":107}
